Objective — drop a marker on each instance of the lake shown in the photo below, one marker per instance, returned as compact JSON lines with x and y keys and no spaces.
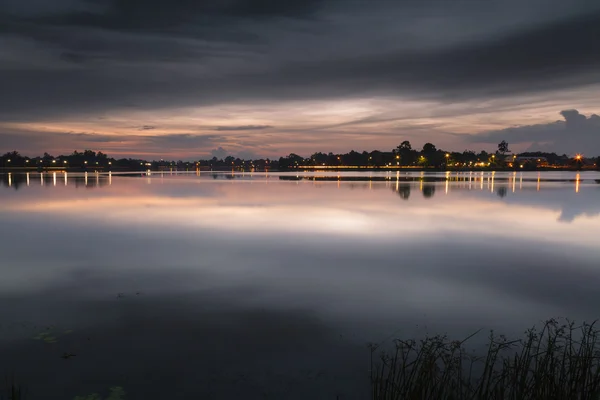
{"x":253,"y":285}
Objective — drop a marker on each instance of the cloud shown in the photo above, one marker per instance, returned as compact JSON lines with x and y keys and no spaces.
{"x":220,"y":153}
{"x":576,"y":134}
{"x":76,"y":60}
{"x":97,"y":56}
{"x":147,"y":127}
{"x":184,"y":145}
{"x":243,"y":128}
{"x":182,"y":141}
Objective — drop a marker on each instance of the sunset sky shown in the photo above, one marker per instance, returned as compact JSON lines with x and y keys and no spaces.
{"x":190,"y":79}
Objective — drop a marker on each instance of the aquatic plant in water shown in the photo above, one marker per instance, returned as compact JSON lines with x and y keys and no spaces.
{"x":559,"y":360}
{"x":115,"y":393}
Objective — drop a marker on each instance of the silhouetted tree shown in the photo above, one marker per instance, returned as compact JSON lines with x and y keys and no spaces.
{"x":291,"y":161}
{"x":12,"y":159}
{"x":407,"y":155}
{"x":404,"y":146}
{"x":431,"y":156}
{"x":429,"y":148}
{"x":503,"y":147}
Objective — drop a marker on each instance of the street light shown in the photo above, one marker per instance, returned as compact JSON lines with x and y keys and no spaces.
{"x":53,"y":161}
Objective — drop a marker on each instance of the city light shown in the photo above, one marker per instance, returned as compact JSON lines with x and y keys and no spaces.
{"x":577,"y":157}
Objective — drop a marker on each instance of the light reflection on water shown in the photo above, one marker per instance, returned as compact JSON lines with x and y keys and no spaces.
{"x":295,"y":270}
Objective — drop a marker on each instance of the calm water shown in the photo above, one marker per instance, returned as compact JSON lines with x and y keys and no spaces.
{"x":270,"y":286}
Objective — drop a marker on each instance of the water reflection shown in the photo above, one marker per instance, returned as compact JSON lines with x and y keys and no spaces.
{"x":499,"y":183}
{"x":428,"y":191}
{"x":404,"y":191}
{"x":288,"y":279}
{"x":17,"y":181}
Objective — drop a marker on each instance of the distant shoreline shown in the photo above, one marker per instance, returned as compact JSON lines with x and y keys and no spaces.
{"x":302,"y":169}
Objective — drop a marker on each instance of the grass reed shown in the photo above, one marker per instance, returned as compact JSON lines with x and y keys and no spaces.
{"x":557,"y":360}
{"x":12,"y":389}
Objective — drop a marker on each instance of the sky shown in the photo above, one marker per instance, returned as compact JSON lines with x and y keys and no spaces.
{"x":190,"y":79}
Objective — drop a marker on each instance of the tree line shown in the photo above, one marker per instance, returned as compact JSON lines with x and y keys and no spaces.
{"x":404,"y":155}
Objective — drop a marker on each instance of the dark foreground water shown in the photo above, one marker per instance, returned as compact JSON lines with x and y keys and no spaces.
{"x":254,"y":286}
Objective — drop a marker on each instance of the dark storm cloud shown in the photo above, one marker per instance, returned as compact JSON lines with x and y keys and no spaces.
{"x":575,"y":134}
{"x":164,"y":14}
{"x":548,"y":57}
{"x":76,"y":56}
{"x":243,"y":128}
